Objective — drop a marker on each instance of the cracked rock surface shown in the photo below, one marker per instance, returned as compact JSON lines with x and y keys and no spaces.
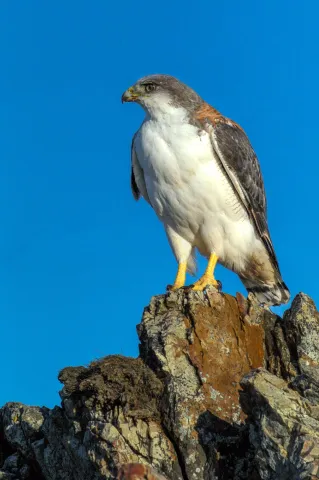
{"x":222,"y":389}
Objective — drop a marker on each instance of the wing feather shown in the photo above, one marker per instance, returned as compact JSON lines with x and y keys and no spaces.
{"x":241,"y":165}
{"x":138,"y":184}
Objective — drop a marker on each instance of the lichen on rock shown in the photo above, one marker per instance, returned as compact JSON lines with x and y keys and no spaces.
{"x":222,"y":389}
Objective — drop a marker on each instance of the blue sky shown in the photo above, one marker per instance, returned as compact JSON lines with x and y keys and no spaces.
{"x":79,"y":259}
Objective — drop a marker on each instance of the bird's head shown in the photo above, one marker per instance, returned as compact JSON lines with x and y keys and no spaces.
{"x":162,"y":94}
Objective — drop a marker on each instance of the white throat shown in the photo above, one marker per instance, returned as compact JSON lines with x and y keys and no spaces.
{"x":160,"y":108}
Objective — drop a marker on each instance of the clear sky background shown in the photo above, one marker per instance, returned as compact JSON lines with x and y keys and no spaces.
{"x":79,"y":259}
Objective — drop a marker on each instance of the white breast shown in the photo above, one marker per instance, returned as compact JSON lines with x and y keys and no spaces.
{"x":188,"y":189}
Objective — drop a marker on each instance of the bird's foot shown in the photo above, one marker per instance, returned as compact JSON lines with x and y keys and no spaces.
{"x":176,"y":286}
{"x":180,"y":278}
{"x":204,"y":282}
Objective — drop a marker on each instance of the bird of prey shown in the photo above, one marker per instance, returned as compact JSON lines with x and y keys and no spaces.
{"x":199,"y":172}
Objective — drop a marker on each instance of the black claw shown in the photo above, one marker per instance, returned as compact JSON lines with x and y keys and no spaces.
{"x":219,"y":285}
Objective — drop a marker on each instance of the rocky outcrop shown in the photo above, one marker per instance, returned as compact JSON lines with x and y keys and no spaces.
{"x":222,"y":389}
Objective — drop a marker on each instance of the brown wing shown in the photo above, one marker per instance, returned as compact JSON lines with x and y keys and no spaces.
{"x":138,"y":185}
{"x":241,"y":165}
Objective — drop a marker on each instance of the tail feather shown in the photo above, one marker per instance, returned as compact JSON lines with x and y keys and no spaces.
{"x":191,"y":263}
{"x":268,"y":294}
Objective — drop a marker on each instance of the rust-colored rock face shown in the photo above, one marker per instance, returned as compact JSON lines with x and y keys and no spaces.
{"x":222,"y":347}
{"x":202,"y":346}
{"x":223,"y":390}
{"x":138,"y":471}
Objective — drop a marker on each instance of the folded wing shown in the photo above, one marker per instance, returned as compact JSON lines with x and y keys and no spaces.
{"x":241,"y":166}
{"x":138,"y":185}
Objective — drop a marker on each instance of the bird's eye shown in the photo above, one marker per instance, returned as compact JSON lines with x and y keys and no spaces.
{"x":149,"y":87}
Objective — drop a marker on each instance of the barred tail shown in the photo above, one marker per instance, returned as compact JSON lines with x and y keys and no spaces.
{"x":268,"y":294}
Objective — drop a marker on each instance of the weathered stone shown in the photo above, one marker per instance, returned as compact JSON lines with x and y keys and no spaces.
{"x":284,"y":434}
{"x":22,"y":425}
{"x":223,"y":389}
{"x":7,"y":476}
{"x":16,"y":466}
{"x":199,"y":344}
{"x":302,"y":333}
{"x":137,"y":471}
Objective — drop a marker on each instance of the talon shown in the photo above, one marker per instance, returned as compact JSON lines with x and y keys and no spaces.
{"x":203,"y":283}
{"x":198,"y":288}
{"x":208,"y":277}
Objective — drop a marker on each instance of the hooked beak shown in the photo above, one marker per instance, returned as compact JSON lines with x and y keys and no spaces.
{"x":130,"y":95}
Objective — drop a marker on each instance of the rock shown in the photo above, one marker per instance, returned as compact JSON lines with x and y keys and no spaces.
{"x":6,"y":476}
{"x":109,"y":416}
{"x":137,"y":471}
{"x":283,"y":430}
{"x":302,"y":333}
{"x":201,"y":348}
{"x":22,"y":426}
{"x":16,"y":466}
{"x":222,"y":389}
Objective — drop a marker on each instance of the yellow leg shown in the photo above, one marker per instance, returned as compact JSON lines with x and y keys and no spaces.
{"x":180,"y":277}
{"x":208,"y":277}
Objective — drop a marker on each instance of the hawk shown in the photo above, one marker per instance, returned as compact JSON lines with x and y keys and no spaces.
{"x":199,"y":172}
